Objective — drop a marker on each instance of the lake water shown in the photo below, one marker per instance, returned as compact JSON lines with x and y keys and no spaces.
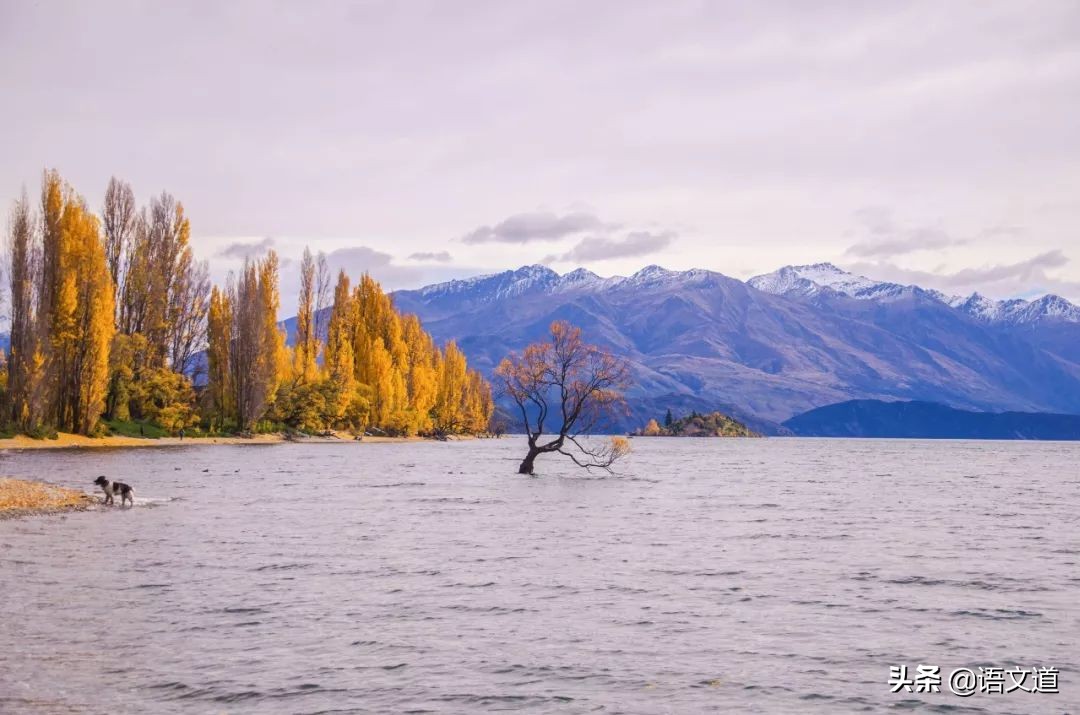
{"x":771,"y":575}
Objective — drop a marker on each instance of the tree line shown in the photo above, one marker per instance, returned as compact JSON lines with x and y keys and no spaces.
{"x":112,"y":318}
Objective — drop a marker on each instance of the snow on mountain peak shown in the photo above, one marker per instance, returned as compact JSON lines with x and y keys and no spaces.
{"x":978,"y":306}
{"x":651,"y":272}
{"x":580,"y":276}
{"x":535,"y":272}
{"x":805,"y":281}
{"x":507,"y":283}
{"x":796,"y":281}
{"x":1018,"y":311}
{"x":789,"y":281}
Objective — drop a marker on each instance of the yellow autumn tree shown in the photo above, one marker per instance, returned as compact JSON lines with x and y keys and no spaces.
{"x":448,"y":411}
{"x":272,"y":335}
{"x":339,"y":363}
{"x":306,"y":351}
{"x":219,"y":333}
{"x":78,"y":292}
{"x":478,"y":403}
{"x":423,"y":374}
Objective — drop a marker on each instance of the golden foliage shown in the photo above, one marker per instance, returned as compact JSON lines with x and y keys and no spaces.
{"x":108,"y":315}
{"x":17,"y":495}
{"x":381,"y":371}
{"x":80,"y":312}
{"x":219,"y":332}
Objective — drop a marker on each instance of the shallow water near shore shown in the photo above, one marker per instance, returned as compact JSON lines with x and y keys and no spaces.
{"x":774,"y":575}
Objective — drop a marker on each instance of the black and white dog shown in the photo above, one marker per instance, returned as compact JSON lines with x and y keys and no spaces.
{"x":111,"y":489}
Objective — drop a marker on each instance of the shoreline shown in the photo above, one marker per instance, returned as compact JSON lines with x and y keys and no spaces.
{"x":23,"y":497}
{"x":74,"y":441}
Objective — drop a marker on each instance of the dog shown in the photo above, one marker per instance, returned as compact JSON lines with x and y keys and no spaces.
{"x":111,"y":489}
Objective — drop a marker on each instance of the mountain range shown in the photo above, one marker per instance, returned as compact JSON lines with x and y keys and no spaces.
{"x":777,"y":345}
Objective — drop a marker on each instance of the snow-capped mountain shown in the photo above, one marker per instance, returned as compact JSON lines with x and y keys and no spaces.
{"x":498,"y":286}
{"x":805,"y":281}
{"x":810,"y":280}
{"x":794,"y":282}
{"x":541,"y":279}
{"x":1017,"y":311}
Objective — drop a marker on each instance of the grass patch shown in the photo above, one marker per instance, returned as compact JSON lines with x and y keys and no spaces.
{"x":131,"y":428}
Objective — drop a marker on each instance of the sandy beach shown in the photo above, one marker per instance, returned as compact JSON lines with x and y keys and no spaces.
{"x":74,"y":441}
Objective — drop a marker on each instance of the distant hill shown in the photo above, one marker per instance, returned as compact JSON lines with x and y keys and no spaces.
{"x":714,"y":424}
{"x":928,"y":420}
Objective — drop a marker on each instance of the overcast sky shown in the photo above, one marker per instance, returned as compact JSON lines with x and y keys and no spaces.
{"x":934,"y":142}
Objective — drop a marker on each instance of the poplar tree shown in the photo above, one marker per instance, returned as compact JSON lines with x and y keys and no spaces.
{"x":25,"y":362}
{"x":219,"y":334}
{"x":118,"y":218}
{"x":76,"y":292}
{"x":307,"y":350}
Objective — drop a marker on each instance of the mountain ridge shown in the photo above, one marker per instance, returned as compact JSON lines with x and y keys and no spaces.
{"x":809,"y":279}
{"x":790,"y":281}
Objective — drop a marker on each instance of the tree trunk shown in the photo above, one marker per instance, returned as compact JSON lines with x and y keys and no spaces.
{"x":527,"y":464}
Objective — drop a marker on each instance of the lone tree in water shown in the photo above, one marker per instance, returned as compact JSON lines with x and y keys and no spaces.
{"x":570,"y":385}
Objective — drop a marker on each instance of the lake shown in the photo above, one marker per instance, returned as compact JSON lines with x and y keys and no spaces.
{"x":777,"y":575}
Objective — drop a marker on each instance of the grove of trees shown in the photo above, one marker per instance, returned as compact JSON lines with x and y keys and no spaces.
{"x":714,"y":424}
{"x":110,"y":316}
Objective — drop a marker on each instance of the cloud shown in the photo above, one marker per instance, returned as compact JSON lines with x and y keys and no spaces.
{"x":246,"y":249}
{"x":431,"y":256}
{"x":1033,"y":269}
{"x":355,"y":261}
{"x":887,"y":239}
{"x":1001,"y":280}
{"x":360,"y":259}
{"x":602,"y":248}
{"x":536,"y":226}
{"x":920,"y":239}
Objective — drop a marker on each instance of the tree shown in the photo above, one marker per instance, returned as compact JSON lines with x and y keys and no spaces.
{"x":75,"y":309}
{"x":189,"y":302}
{"x":453,"y":378}
{"x":256,"y":345}
{"x":26,"y":360}
{"x":668,"y":419}
{"x":165,"y":398}
{"x":322,"y":295}
{"x":423,"y":378}
{"x":339,"y":363}
{"x":307,"y":350}
{"x":219,"y":379}
{"x":652,"y":429}
{"x":118,"y":218}
{"x":576,"y":385}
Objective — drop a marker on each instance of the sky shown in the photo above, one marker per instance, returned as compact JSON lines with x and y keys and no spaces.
{"x":925,"y":142}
